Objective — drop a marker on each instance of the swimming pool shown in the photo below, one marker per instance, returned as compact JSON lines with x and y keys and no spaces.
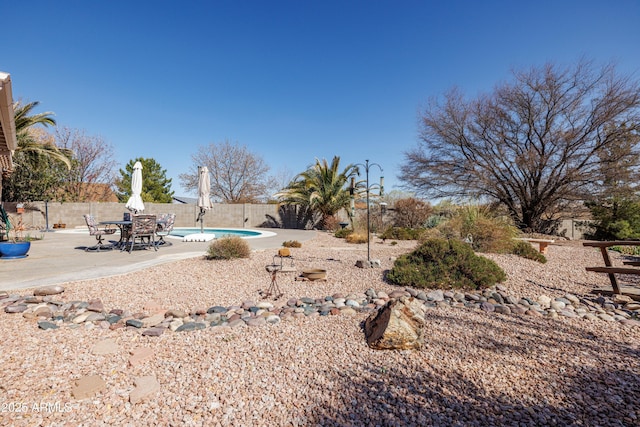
{"x":221,"y":232}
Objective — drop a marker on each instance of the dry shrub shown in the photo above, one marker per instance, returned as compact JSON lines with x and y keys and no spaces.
{"x":487,"y":230}
{"x":356,"y":237}
{"x":411,"y":213}
{"x":331,"y":223}
{"x":292,"y":244}
{"x":430,"y":233}
{"x":228,"y":248}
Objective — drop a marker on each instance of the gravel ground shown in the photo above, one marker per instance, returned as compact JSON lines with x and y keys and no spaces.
{"x":476,"y":368}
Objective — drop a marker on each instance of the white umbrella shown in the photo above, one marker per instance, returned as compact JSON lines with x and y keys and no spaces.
{"x":135,"y":202}
{"x":204,"y":188}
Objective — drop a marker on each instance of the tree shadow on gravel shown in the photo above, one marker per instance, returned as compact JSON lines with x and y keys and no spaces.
{"x":415,"y":389}
{"x":541,"y":332}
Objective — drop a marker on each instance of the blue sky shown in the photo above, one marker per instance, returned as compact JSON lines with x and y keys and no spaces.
{"x":291,"y":80}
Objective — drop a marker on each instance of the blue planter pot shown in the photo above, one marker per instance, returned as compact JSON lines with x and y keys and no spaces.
{"x":13,"y":250}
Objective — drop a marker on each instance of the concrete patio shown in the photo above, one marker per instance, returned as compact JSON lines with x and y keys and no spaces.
{"x":60,"y":257}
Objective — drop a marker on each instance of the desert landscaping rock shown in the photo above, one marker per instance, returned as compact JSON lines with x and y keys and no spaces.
{"x":47,"y":325}
{"x":134,"y":323}
{"x":156,"y":331}
{"x":146,"y":387}
{"x":48,"y":290}
{"x":88,"y":386}
{"x":15,"y":308}
{"x":399,"y":325}
{"x":140,"y":355}
{"x":107,"y":346}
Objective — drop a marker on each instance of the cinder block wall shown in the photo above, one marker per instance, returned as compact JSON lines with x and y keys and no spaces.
{"x":70,"y":214}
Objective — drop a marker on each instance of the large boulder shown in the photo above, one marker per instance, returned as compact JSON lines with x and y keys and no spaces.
{"x":399,"y":324}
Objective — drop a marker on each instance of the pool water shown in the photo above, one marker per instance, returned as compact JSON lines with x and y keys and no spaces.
{"x":219,"y":232}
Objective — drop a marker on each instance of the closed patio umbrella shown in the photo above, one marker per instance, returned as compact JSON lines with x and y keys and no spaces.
{"x":204,"y":189}
{"x":135,"y":203}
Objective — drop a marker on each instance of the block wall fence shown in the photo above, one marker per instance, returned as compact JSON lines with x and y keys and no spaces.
{"x":221,"y":215}
{"x":71,"y":214}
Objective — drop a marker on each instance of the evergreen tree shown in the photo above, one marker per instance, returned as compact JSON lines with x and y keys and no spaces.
{"x":156,"y":187}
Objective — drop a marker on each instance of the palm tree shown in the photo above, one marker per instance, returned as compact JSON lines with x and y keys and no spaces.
{"x":321,"y":188}
{"x":28,"y":145}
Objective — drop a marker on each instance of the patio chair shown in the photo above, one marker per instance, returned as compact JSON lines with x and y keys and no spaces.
{"x":99,"y":233}
{"x":143,"y":229}
{"x":165,"y":227}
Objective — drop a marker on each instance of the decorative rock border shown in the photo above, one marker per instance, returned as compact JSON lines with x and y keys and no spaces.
{"x":155,"y":320}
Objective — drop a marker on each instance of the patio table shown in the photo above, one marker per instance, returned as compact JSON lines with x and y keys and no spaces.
{"x":124,"y":227}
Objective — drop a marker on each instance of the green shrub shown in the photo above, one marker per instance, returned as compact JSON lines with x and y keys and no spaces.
{"x":614,"y":218}
{"x":626,"y":250}
{"x":442,"y":263}
{"x":434,"y":220}
{"x":228,"y":248}
{"x":343,"y":232}
{"x":402,"y":233}
{"x":525,"y":250}
{"x":292,"y":244}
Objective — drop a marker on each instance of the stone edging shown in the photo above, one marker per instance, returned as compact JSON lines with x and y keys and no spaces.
{"x":155,"y":320}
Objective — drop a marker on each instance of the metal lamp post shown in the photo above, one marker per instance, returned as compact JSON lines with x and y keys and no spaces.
{"x":367,"y":166}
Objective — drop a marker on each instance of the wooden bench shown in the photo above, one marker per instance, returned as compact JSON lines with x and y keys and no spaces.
{"x":542,"y":243}
{"x":610,"y":269}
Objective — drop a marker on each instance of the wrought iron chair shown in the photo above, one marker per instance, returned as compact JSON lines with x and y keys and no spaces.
{"x":165,"y":227}
{"x":143,"y":229}
{"x":99,"y":233}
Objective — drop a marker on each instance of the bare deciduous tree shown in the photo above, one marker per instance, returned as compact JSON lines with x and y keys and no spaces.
{"x":92,"y":170}
{"x":411,"y":212}
{"x":531,"y":145}
{"x":237,"y":175}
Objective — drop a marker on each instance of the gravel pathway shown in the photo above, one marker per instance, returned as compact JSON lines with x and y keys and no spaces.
{"x":476,"y":368}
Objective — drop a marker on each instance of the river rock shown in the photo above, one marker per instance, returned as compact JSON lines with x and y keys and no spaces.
{"x":16,"y":308}
{"x":95,"y":305}
{"x":622,"y":299}
{"x":154,"y":320}
{"x":155,"y":331}
{"x":48,"y":290}
{"x":47,"y":325}
{"x":363,"y":263}
{"x":544,"y":301}
{"x":437,"y":295}
{"x":397,"y":325}
{"x":175,"y":313}
{"x":191,"y":326}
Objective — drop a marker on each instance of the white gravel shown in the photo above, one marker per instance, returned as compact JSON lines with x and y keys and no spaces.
{"x":476,"y":368}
